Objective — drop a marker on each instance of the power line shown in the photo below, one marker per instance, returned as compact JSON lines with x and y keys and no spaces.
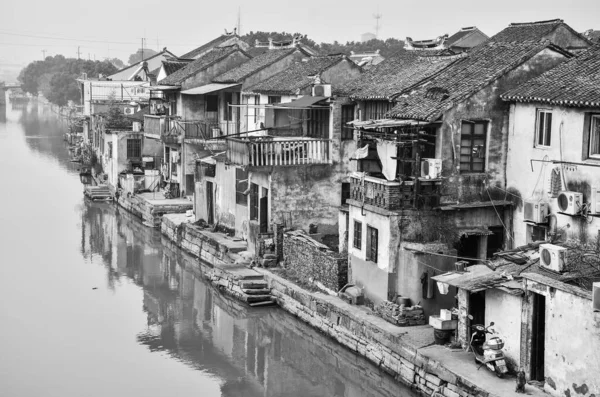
{"x":65,"y":38}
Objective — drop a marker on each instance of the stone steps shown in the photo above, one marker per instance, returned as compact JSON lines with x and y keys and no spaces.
{"x":265,"y":303}
{"x":261,"y":291}
{"x":254,"y":284}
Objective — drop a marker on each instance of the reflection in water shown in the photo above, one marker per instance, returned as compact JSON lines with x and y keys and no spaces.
{"x":263,"y":352}
{"x":93,"y":303}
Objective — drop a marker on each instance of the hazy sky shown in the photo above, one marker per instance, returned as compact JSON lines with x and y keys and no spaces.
{"x":115,"y":27}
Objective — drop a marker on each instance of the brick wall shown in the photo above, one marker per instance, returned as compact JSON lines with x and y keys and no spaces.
{"x":314,"y":264}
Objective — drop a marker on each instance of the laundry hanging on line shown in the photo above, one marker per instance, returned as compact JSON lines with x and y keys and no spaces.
{"x":386,"y":150}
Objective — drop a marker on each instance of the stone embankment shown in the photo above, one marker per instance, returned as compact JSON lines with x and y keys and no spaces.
{"x":224,"y":260}
{"x":151,"y":210}
{"x":396,"y":350}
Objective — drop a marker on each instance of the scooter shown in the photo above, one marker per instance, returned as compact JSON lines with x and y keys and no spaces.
{"x":488,"y":352}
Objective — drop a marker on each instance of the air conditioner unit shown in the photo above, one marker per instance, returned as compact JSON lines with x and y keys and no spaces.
{"x":535,"y":211}
{"x":570,"y":202}
{"x":322,"y":90}
{"x":596,"y":296}
{"x":431,"y":168}
{"x":129,"y":110}
{"x":595,"y":204}
{"x":553,"y":257}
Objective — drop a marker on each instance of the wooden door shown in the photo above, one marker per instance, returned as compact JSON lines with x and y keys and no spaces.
{"x":538,"y":336}
{"x":264,"y":214}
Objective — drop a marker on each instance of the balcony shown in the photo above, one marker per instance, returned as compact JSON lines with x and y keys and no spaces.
{"x":418,"y":193}
{"x":288,"y":152}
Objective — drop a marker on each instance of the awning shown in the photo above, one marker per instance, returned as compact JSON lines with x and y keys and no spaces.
{"x":163,"y":87}
{"x":479,"y":278}
{"x":384,"y":123}
{"x":208,"y":88}
{"x":305,"y":101}
{"x":474,"y":231}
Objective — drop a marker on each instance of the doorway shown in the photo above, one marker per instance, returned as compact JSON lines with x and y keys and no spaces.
{"x":210,"y":203}
{"x":264,"y":211}
{"x":538,"y":336}
{"x":477,"y":307}
{"x":468,"y":247}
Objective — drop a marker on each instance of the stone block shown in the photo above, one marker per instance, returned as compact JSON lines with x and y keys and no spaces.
{"x":428,"y":391}
{"x":433,"y":379}
{"x":449,"y":393}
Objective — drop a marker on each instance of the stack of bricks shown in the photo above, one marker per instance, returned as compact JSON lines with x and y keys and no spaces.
{"x":400,"y":315}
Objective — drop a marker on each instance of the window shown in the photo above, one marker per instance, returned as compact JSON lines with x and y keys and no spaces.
{"x":472,"y":146}
{"x":543,"y":127}
{"x":357,"y":235}
{"x":212,"y":103}
{"x":274,"y":99}
{"x":595,"y":135}
{"x":347,"y":116}
{"x":317,"y":125}
{"x":253,"y":201}
{"x":372,"y":244}
{"x":256,"y":110}
{"x":134,"y":148}
{"x":241,"y":184}
{"x":228,"y":101}
{"x":345,"y":192}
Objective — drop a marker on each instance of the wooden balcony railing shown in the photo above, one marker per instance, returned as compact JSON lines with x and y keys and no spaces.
{"x":278,"y":153}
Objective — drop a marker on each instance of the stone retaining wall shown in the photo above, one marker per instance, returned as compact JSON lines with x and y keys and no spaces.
{"x":312,"y":264}
{"x":370,"y":339}
{"x":150,"y":214}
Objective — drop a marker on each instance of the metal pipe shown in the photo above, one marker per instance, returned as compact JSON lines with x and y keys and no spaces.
{"x":561,"y":162}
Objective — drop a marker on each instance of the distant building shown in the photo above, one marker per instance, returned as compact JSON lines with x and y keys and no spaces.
{"x":367,"y":36}
{"x":592,"y":35}
{"x":463,"y":40}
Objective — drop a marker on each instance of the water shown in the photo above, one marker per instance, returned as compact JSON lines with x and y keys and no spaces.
{"x":92,"y":303}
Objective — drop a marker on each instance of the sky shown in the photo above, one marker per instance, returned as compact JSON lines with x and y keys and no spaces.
{"x":115,"y":28}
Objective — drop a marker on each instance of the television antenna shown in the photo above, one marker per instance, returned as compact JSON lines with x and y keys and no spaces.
{"x":377,"y":17}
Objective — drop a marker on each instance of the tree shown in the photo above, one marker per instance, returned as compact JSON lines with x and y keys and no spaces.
{"x":137,"y":56}
{"x":56,"y":77}
{"x":116,"y":62}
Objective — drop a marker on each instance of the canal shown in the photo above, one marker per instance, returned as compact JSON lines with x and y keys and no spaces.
{"x":94,"y":304}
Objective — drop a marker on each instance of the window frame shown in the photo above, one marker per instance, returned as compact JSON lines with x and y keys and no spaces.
{"x":271,"y":99}
{"x":208,"y":99}
{"x":547,"y":133}
{"x":347,"y":115}
{"x":254,"y":201}
{"x":372,"y":250}
{"x":241,"y":187}
{"x":357,"y":235}
{"x":134,"y":149}
{"x":593,"y":116}
{"x":472,"y":137}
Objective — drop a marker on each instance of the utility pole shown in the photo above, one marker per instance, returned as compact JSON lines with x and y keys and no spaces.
{"x":78,"y":53}
{"x":44,"y":53}
{"x":377,"y":18}
{"x":239,"y":22}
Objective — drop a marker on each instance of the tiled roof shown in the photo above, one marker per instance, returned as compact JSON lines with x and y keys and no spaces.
{"x":462,"y":34}
{"x":463,"y":78}
{"x":592,"y":35}
{"x":573,"y":83}
{"x":529,"y":31}
{"x":238,"y":74}
{"x":206,"y":60}
{"x":395,"y":74}
{"x":296,"y":77}
{"x":205,"y":47}
{"x":171,"y":66}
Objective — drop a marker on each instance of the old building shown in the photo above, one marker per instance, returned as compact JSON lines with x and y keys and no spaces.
{"x":289,"y":162}
{"x":554,"y":148}
{"x":442,"y":145}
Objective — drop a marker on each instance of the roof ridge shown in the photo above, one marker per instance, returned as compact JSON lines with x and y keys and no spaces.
{"x":546,"y":22}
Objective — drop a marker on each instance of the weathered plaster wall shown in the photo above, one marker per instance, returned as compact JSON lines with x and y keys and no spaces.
{"x":374,"y":281}
{"x":505,"y":311}
{"x":310,"y":193}
{"x":565,"y":38}
{"x":340,"y":73}
{"x":485,"y":105}
{"x":572,"y":343}
{"x":535,"y":184}
{"x":410,"y":268}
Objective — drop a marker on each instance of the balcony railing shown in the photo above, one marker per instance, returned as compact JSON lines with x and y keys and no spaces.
{"x":278,"y":152}
{"x":418,"y":193}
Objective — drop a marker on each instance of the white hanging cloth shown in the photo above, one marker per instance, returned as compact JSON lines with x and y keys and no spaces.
{"x":362,"y":152}
{"x":386,"y":150}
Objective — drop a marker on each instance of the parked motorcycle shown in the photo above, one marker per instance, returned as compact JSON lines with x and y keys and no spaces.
{"x":488,"y":352}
